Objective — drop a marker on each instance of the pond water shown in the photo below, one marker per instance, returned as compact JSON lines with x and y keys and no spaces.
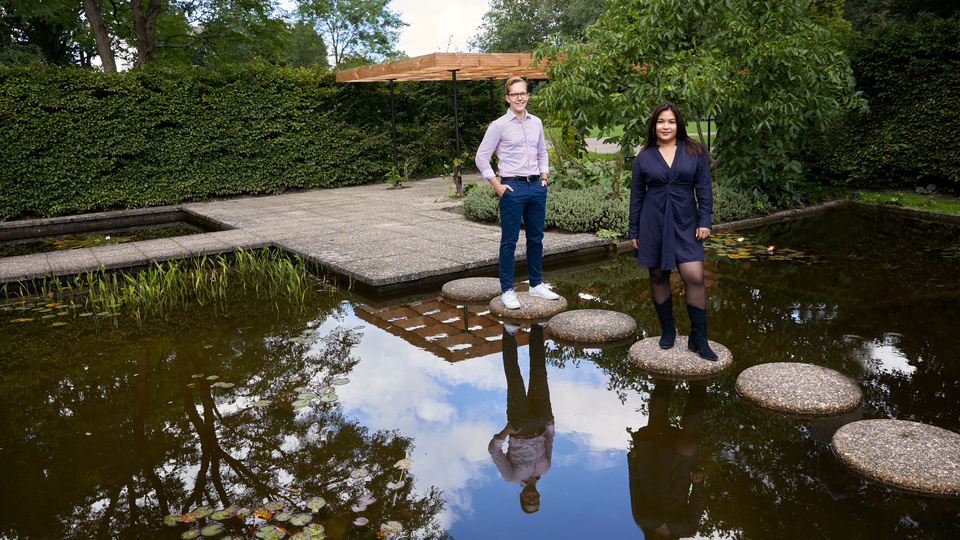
{"x":99,"y":238}
{"x":106,"y":428}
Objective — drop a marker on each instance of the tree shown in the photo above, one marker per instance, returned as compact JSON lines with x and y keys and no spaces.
{"x":49,"y":32}
{"x":771,"y":78}
{"x":518,"y":25}
{"x":365,"y":28}
{"x":305,"y":47}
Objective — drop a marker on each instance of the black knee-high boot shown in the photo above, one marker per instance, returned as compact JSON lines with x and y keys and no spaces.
{"x":668,"y":331}
{"x":698,"y":334}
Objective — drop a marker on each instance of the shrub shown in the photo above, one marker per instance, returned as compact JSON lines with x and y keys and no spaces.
{"x":587,"y":210}
{"x":482,"y":204}
{"x":730,"y":204}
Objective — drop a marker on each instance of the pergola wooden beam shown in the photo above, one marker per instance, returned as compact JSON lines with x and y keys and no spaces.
{"x":437,"y":67}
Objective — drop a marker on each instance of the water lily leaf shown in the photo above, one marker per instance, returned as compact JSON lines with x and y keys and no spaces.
{"x":103,"y":313}
{"x":197,"y":376}
{"x":315,"y":529}
{"x":302,"y":535}
{"x":359,"y":473}
{"x":361,"y":521}
{"x":213,"y":377}
{"x":316,"y":503}
{"x":391,"y":527}
{"x":86,"y":314}
{"x":59,"y":324}
{"x":301,"y":519}
{"x":367,"y":499}
{"x":403,"y":464}
{"x":222,"y":384}
{"x":300,"y":389}
{"x":226,"y":513}
{"x":262,"y":403}
{"x":306,"y":395}
{"x":329,"y":397}
{"x":192,"y":533}
{"x":201,"y":512}
{"x":212,"y":530}
{"x":295,"y":378}
{"x":340,"y":382}
{"x":22,"y":320}
{"x":270,"y":532}
{"x":395,"y":485}
{"x":300,"y":403}
{"x":283,"y":516}
{"x":327,"y":390}
{"x":273,"y":506}
{"x":358,"y":508}
{"x":173,"y":519}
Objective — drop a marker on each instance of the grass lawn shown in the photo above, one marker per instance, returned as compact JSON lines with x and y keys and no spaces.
{"x":935,"y":202}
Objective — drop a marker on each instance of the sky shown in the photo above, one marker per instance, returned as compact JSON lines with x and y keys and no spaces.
{"x":435,"y":26}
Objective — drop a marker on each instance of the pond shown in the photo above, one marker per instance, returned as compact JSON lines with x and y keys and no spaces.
{"x":108,"y":428}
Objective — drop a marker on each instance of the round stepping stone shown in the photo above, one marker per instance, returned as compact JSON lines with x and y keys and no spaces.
{"x":799,"y":389}
{"x":908,"y":456}
{"x":471,"y":290}
{"x":531,"y":308}
{"x":678,"y":363}
{"x":592,"y":326}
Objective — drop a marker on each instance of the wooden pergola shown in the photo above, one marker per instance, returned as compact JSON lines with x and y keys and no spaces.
{"x":444,"y":66}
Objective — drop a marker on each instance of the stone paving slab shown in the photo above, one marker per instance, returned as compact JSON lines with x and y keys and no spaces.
{"x":908,"y":456}
{"x":380,"y":236}
{"x":798,"y":389}
{"x":592,"y":326}
{"x":532,"y":308}
{"x":678,"y":363}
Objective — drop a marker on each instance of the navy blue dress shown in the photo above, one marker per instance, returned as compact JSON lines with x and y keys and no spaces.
{"x":667,"y":205}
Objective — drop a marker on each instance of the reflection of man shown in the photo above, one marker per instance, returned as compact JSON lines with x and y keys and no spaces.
{"x":663,"y":465}
{"x":517,"y":138}
{"x":529,"y":420}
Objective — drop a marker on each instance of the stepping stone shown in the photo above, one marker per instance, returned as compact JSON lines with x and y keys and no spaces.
{"x":532,"y":308}
{"x":471,"y":290}
{"x":592,"y":326}
{"x":678,"y":363}
{"x":908,"y":456}
{"x":799,"y":389}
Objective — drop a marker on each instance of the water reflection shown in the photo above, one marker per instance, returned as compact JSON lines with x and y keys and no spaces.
{"x":667,"y":494}
{"x":530,"y":424}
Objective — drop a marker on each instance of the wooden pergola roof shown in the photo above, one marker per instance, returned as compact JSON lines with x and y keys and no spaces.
{"x":437,"y":67}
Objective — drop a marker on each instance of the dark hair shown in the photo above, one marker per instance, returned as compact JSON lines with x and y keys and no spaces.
{"x":694,"y":147}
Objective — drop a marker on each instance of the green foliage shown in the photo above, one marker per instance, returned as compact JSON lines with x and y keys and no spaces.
{"x":771,"y":77}
{"x":79,"y":141}
{"x":730,"y":204}
{"x":482,"y":204}
{"x":587,"y":210}
{"x":521,"y":25}
{"x":364,"y":27}
{"x":910,"y":73}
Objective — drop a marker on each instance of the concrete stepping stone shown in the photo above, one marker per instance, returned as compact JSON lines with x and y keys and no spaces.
{"x":908,"y":456}
{"x":799,"y":389}
{"x":471,"y":290}
{"x":532,"y":308}
{"x":678,"y":363}
{"x":592,"y":326}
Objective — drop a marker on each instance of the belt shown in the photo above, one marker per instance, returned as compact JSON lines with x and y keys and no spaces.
{"x":532,"y":178}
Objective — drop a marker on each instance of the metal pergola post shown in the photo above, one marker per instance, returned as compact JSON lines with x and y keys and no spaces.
{"x":457,"y":181}
{"x":393,"y":124}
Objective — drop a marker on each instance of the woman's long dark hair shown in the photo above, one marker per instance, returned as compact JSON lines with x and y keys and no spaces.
{"x":694,"y":147}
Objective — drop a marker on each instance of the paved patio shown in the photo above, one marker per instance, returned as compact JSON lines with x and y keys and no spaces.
{"x":383,"y":237}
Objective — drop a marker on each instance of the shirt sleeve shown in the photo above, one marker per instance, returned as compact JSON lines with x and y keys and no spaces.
{"x":485,"y":151}
{"x":495,"y":448}
{"x":543,"y":158}
{"x":704,"y":191}
{"x":638,"y":188}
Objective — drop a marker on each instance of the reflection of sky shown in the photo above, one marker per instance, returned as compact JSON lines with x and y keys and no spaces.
{"x":452,"y":410}
{"x":885,"y":357}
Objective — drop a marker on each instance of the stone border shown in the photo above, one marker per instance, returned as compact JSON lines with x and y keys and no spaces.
{"x":908,"y":456}
{"x":798,"y":389}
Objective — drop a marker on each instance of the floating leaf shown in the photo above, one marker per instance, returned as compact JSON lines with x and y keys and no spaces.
{"x":358,"y":508}
{"x":283,"y":516}
{"x":262,"y":403}
{"x":328,"y":398}
{"x":300,"y":389}
{"x":301,"y":519}
{"x":316,"y":503}
{"x":212,"y":530}
{"x":103,"y":313}
{"x":367,"y":499}
{"x":21,"y":320}
{"x":192,"y":533}
{"x":403,"y":464}
{"x":173,"y":519}
{"x":394,"y":485}
{"x":201,"y":512}
{"x":262,"y":514}
{"x":327,"y":390}
{"x":391,"y":527}
{"x":340,"y":382}
{"x":59,"y":324}
{"x":226,"y":513}
{"x":306,"y":395}
{"x":295,"y":378}
{"x":273,"y":506}
{"x":361,"y":521}
{"x":86,"y":314}
{"x":197,"y":375}
{"x":213,"y":377}
{"x":270,"y":532}
{"x":222,"y":384}
{"x":359,"y":473}
{"x":48,"y":317}
{"x":300,"y":403}
{"x":302,"y":535}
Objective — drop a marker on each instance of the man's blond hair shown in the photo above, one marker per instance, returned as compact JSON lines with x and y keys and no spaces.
{"x":512,"y":81}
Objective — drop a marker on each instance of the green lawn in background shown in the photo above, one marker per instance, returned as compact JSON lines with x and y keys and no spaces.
{"x":935,"y":202}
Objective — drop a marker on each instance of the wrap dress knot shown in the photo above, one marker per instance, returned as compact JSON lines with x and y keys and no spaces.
{"x":667,"y":205}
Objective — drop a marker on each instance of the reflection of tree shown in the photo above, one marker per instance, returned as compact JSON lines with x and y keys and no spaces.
{"x":162,"y":440}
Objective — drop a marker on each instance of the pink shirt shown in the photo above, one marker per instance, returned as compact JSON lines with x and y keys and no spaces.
{"x":520,"y":146}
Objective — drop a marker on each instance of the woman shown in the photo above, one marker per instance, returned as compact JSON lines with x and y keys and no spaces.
{"x":670,"y":204}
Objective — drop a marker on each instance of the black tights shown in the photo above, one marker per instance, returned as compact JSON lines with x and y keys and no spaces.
{"x":692,"y":275}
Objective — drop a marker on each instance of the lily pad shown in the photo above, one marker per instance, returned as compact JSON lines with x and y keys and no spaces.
{"x":295,"y":378}
{"x":316,"y":503}
{"x":201,"y":512}
{"x":213,"y":377}
{"x":329,"y":397}
{"x":273,"y":506}
{"x":212,"y":530}
{"x":391,"y":527}
{"x":226,"y":513}
{"x":361,"y":521}
{"x":327,"y":390}
{"x":192,"y":533}
{"x":301,"y":519}
{"x":315,"y":530}
{"x":300,"y":389}
{"x":270,"y":532}
{"x":367,"y":499}
{"x":306,"y":395}
{"x":222,"y":384}
{"x":357,"y":508}
{"x":395,"y":485}
{"x":340,"y":382}
{"x":300,"y":403}
{"x":173,"y":519}
{"x":403,"y":464}
{"x":283,"y":516}
{"x":59,"y":324}
{"x":86,"y":314}
{"x":359,"y":473}
{"x":262,"y":403}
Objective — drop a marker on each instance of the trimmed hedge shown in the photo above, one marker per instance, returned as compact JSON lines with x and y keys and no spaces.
{"x":78,"y":141}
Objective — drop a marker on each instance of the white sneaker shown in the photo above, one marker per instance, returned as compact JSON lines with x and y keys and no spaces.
{"x":542,"y":291}
{"x":511,"y":328}
{"x":510,"y":300}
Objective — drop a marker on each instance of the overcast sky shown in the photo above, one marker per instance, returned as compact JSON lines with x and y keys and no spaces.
{"x":435,"y":26}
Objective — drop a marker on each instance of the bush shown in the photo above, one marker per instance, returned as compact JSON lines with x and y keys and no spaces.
{"x":730,"y":204}
{"x":482,"y":204}
{"x":587,"y":210}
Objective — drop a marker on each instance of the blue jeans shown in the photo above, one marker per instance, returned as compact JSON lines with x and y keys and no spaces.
{"x":527,"y":201}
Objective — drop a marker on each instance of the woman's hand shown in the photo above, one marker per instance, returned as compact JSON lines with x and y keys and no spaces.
{"x":702,"y":233}
{"x":635,"y":243}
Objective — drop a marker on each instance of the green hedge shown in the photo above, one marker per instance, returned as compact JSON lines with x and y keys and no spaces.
{"x":910,"y":74}
{"x":78,"y":141}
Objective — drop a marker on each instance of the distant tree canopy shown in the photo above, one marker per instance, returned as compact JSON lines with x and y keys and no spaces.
{"x":354,"y":28}
{"x":521,"y":25}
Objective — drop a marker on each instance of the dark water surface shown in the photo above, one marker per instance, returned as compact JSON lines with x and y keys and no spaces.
{"x":106,"y":428}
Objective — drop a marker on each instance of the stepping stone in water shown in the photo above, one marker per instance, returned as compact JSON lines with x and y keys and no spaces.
{"x":471,"y":290}
{"x":592,"y":327}
{"x":798,"y":389}
{"x":678,"y":363}
{"x":532,"y":308}
{"x":908,"y":456}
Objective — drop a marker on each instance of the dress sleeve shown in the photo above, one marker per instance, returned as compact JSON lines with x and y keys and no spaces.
{"x":638,"y":188}
{"x":704,"y":191}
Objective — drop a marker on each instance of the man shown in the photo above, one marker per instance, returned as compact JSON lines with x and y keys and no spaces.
{"x":517,"y":138}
